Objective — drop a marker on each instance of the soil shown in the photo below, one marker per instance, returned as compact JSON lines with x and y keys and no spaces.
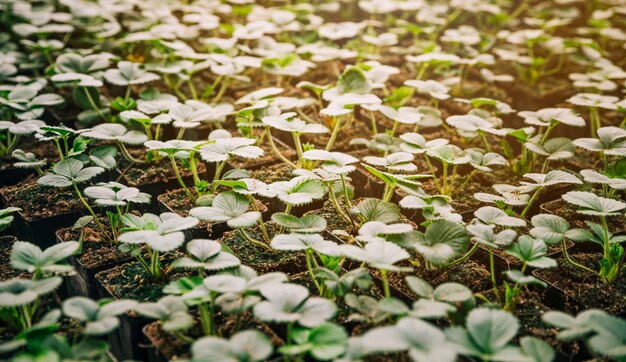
{"x":131,"y":281}
{"x":174,"y":349}
{"x":39,"y":202}
{"x":96,"y":252}
{"x":469,"y":273}
{"x":259,"y":259}
{"x":141,"y":174}
{"x":6,"y":271}
{"x":272,"y":173}
{"x":586,"y":288}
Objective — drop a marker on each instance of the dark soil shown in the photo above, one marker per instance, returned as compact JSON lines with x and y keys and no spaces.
{"x":262,"y":260}
{"x":39,"y":202}
{"x":174,"y":349}
{"x":272,"y":173}
{"x":6,"y":271}
{"x":140,"y":174}
{"x":131,"y":281}
{"x":586,"y":288}
{"x":96,"y":251}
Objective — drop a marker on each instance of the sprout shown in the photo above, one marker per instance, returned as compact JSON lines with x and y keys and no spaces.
{"x":159,"y":234}
{"x":71,"y":172}
{"x":394,"y":162}
{"x":128,"y":74}
{"x":290,"y":303}
{"x":434,"y":89}
{"x":611,"y":141}
{"x":223,"y":149}
{"x":206,"y":255}
{"x":472,"y":341}
{"x":99,"y":318}
{"x":28,"y":160}
{"x":490,"y":215}
{"x":300,"y":190}
{"x":381,"y":255}
{"x":441,"y":301}
{"x":19,"y":300}
{"x":244,"y":346}
{"x":554,"y":177}
{"x":232,"y":208}
{"x":323,"y":342}
{"x":14,"y":131}
{"x":119,"y":134}
{"x":441,"y":243}
{"x":29,"y":257}
{"x":423,"y":341}
{"x":6,"y":218}
{"x":25,"y":102}
{"x":603,"y":333}
{"x":172,"y":312}
{"x":289,"y":123}
{"x":416,"y":143}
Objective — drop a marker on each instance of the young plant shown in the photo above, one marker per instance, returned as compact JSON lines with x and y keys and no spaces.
{"x":206,"y":255}
{"x":380,"y":255}
{"x":20,"y":300}
{"x":118,"y":196}
{"x":10,"y":133}
{"x":244,"y":346}
{"x":298,"y":191}
{"x":129,"y":74}
{"x":289,"y":123}
{"x":172,"y":312}
{"x":601,"y":207}
{"x":28,"y":160}
{"x":97,"y":318}
{"x":158,"y":234}
{"x":233,"y":209}
{"x":71,"y":172}
{"x":42,"y":264}
{"x":25,"y":103}
{"x":119,"y":134}
{"x":6,"y":218}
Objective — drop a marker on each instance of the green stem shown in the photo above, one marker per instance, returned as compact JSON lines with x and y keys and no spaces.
{"x":383,"y":275}
{"x":333,"y":136}
{"x":179,"y":177}
{"x":93,"y":214}
{"x":464,"y":257}
{"x":571,"y":261}
{"x":207,"y":326}
{"x":492,"y":272}
{"x":128,"y":156}
{"x":252,"y":240}
{"x":530,"y":202}
{"x":276,"y":151}
{"x":216,"y":177}
{"x":308,"y":256}
{"x":298,"y":144}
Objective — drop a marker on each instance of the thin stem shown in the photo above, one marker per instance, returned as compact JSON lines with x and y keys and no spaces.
{"x":93,"y":214}
{"x":383,"y":276}
{"x":128,"y":156}
{"x":464,"y":257}
{"x":249,"y":238}
{"x":179,"y":177}
{"x":333,"y":136}
{"x":308,"y":256}
{"x":218,"y":174}
{"x":571,"y":261}
{"x":333,"y":199}
{"x":492,"y":271}
{"x":530,"y":202}
{"x":299,"y":151}
{"x":207,"y":327}
{"x":276,"y":151}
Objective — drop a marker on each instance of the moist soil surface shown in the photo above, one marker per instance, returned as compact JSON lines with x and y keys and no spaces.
{"x":259,"y":259}
{"x":141,"y":174}
{"x":173,"y":349}
{"x":96,"y":251}
{"x":40,"y":202}
{"x":131,"y":281}
{"x":585,"y":288}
